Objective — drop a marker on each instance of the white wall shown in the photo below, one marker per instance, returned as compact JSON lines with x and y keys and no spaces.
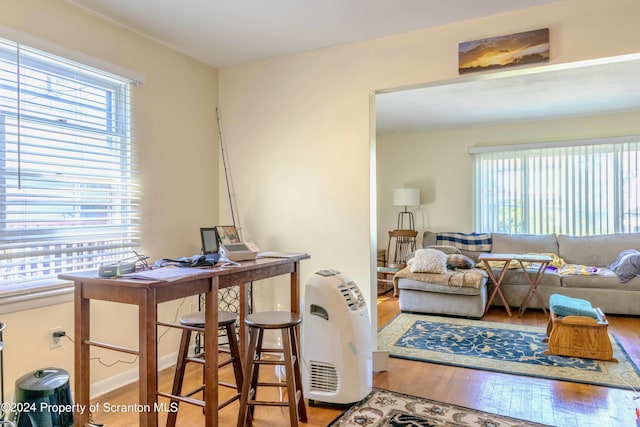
{"x":298,"y":127}
{"x":176,"y":138}
{"x":439,"y":164}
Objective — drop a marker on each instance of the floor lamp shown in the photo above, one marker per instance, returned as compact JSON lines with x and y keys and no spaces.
{"x":406,"y":197}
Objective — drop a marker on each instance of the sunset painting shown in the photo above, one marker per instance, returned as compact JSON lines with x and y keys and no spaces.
{"x":505,"y":51}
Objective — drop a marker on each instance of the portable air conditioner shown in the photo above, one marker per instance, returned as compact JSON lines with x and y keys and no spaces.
{"x":336,"y":340}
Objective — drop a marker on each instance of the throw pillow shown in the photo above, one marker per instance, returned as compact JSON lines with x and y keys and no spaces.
{"x":460,"y":261}
{"x":445,"y":248}
{"x":568,"y":306}
{"x":627,"y":265}
{"x":428,"y":261}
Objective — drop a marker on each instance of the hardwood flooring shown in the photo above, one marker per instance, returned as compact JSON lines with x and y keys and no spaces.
{"x":555,"y":403}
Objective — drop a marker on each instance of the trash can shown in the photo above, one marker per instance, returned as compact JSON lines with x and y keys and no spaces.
{"x":43,"y":399}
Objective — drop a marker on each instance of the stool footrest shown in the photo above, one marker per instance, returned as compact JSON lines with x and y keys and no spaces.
{"x":272,"y":361}
{"x":267,"y":403}
{"x":579,"y":336}
{"x":229,"y":401}
{"x":184,"y":399}
{"x":272,"y":384}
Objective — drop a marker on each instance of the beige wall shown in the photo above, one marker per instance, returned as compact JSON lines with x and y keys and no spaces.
{"x":297,"y":130}
{"x":299,"y":125}
{"x":176,"y":137}
{"x":439,"y":164}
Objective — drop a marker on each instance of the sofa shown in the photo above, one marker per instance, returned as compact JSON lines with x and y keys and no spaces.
{"x":601,"y":269}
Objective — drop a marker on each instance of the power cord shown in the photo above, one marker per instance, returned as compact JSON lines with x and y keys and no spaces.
{"x":134,"y":360}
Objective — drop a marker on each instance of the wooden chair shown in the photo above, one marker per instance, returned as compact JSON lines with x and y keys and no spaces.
{"x":401,"y":243}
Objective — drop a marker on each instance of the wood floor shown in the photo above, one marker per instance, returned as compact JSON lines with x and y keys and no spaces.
{"x":556,"y":403}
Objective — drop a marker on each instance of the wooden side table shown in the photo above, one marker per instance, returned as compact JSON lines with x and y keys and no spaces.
{"x":534,"y":280}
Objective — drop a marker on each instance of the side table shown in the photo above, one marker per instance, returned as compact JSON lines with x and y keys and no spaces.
{"x":533,"y":279}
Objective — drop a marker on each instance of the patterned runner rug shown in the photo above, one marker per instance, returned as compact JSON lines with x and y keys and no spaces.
{"x":383,"y":408}
{"x":507,"y":348}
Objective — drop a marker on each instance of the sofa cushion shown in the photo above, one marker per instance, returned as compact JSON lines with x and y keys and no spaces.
{"x":417,"y":285}
{"x":517,"y":277}
{"x":523,"y":243}
{"x":596,"y":250}
{"x":607,"y":281}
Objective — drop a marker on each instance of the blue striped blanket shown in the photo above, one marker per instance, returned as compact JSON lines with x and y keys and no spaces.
{"x":479,"y":242}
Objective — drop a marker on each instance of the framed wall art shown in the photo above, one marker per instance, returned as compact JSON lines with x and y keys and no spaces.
{"x":530,"y":47}
{"x":227,"y":234}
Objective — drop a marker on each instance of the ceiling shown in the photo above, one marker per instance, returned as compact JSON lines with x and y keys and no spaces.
{"x":572,"y":90}
{"x":224,"y":33}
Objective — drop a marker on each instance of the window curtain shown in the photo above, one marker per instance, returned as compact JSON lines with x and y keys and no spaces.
{"x":578,"y":188}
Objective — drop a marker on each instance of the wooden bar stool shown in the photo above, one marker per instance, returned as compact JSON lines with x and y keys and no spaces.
{"x":257,"y":324}
{"x":194,"y":322}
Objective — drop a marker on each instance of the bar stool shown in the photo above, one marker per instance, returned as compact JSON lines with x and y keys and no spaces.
{"x":257,"y":324}
{"x":195,"y":322}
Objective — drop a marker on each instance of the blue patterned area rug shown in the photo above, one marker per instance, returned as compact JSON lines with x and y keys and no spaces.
{"x":384,"y":408}
{"x":499,"y":347}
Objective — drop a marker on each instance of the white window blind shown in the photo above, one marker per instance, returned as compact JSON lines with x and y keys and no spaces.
{"x":68,"y":193}
{"x":573,"y":189}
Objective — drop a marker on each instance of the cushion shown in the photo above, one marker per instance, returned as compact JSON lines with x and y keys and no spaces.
{"x":428,"y":261}
{"x":568,"y":306}
{"x":460,"y":261}
{"x":444,"y":248}
{"x":581,"y":270}
{"x":524,"y":243}
{"x":627,"y":265}
{"x":596,"y":250}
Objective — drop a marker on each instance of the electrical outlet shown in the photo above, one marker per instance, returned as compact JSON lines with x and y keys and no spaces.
{"x":55,"y":341}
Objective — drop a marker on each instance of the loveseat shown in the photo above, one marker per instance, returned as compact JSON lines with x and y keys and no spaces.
{"x":580,"y":269}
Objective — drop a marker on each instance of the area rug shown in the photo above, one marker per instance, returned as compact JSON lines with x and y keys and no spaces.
{"x":507,"y":348}
{"x":383,"y":408}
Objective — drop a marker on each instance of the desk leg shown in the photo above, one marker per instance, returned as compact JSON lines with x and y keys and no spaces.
{"x":496,"y":290}
{"x":243,"y":311}
{"x":533,"y":287}
{"x":148,"y":354}
{"x":81,"y":367}
{"x":295,"y":308}
{"x":295,"y":289}
{"x":211,"y":351}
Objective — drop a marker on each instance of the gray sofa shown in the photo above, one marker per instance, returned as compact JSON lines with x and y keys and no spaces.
{"x":586,"y":275}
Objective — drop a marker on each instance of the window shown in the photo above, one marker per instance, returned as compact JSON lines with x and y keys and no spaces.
{"x":68,"y":193}
{"x":580,"y":188}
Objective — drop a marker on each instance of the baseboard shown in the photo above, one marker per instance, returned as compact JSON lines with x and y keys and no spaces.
{"x":114,"y":382}
{"x":380,"y":360}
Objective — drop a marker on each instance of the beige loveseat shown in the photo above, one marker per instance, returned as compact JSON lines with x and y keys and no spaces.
{"x":585,"y":274}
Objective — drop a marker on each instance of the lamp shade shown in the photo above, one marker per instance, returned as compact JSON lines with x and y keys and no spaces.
{"x":406,"y":197}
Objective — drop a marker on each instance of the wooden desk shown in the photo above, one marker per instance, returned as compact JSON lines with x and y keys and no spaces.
{"x":542,"y":260}
{"x":147,"y":294}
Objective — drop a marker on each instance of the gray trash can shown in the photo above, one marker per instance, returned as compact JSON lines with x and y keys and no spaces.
{"x":43,"y":399}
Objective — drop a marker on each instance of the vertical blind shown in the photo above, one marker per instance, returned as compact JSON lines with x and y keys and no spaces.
{"x":573,"y":189}
{"x":68,"y":193}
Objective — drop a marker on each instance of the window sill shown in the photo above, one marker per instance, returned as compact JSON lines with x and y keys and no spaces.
{"x":11,"y":302}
